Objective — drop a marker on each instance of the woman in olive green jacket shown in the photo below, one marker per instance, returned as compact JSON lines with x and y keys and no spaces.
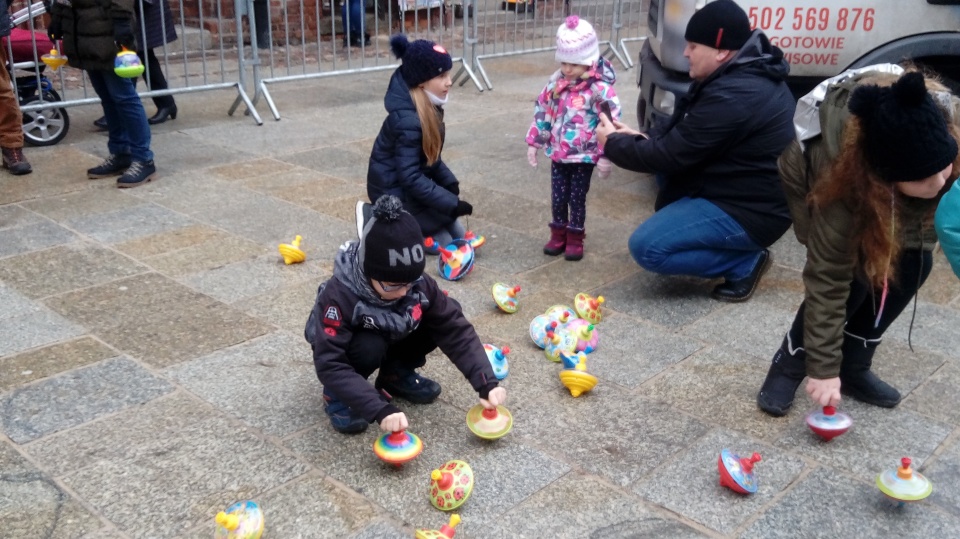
{"x":862,"y":197}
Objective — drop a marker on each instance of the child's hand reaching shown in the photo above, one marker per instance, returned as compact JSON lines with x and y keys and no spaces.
{"x":394,"y":422}
{"x":824,"y":392}
{"x":532,"y":156}
{"x":496,"y":397}
{"x":604,"y":166}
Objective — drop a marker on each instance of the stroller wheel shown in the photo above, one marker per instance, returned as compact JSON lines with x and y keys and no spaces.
{"x":44,"y":127}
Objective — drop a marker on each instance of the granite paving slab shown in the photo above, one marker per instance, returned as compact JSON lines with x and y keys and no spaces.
{"x":721,"y":387}
{"x":287,"y":306}
{"x":788,"y":252}
{"x":251,"y":277}
{"x":877,"y":440}
{"x":937,"y":398}
{"x":101,"y":199}
{"x":32,"y":504}
{"x":21,"y":369}
{"x":15,"y":303}
{"x":64,"y":174}
{"x":942,"y":286}
{"x":268,"y":383}
{"x":903,"y":368}
{"x":579,"y":505}
{"x":517,"y":213}
{"x":591,"y":273}
{"x":251,"y":168}
{"x":933,"y":328}
{"x":128,"y":223}
{"x":329,"y":158}
{"x":512,"y":252}
{"x":167,"y":243}
{"x":65,"y":268}
{"x":34,"y":237}
{"x":183,"y":150}
{"x":759,"y":328}
{"x":668,"y":301}
{"x":630,"y":352}
{"x":860,"y":511}
{"x":944,"y":472}
{"x":688,"y":485}
{"x":15,"y":216}
{"x":508,"y":174}
{"x":207,"y":255}
{"x":386,"y":530}
{"x":34,"y":329}
{"x":156,"y":319}
{"x":76,"y":397}
{"x":780,"y":287}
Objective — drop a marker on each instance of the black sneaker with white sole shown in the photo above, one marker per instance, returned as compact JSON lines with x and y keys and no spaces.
{"x":139,"y":173}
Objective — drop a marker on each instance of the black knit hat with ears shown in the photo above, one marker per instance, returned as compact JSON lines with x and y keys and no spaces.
{"x":391,"y":244}
{"x":904,"y":133}
{"x":722,"y":25}
{"x":422,"y":60}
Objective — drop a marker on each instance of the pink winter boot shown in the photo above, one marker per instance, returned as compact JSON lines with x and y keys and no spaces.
{"x":574,"y":250}
{"x":558,"y":240}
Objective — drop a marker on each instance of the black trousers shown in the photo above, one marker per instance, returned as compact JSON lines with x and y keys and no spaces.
{"x":157,"y":80}
{"x":913,"y":268}
{"x":369,"y":351}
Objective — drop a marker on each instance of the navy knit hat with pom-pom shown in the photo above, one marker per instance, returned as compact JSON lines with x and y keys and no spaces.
{"x":391,"y":244}
{"x":422,"y":60}
{"x":905,"y":134}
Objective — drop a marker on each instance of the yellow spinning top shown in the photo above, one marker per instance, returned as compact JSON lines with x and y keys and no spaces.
{"x":291,"y":252}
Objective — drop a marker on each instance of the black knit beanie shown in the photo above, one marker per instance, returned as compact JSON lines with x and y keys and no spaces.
{"x":904,"y":133}
{"x":721,"y":25}
{"x":391,"y":244}
{"x":421,"y":60}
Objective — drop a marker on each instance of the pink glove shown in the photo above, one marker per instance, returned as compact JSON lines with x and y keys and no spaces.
{"x":532,"y":155}
{"x":604,"y":166}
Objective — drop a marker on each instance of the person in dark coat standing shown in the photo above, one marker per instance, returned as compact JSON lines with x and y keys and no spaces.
{"x":720,"y":203}
{"x":405,"y":161}
{"x":156,"y":22}
{"x":93,"y":31}
{"x":11,"y":119}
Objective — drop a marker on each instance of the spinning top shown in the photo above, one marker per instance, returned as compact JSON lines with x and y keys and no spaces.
{"x":561,"y":313}
{"x":506,"y":297}
{"x":558,"y":342}
{"x":588,"y":307}
{"x":446,"y":531}
{"x":242,"y":520}
{"x":498,"y":360}
{"x":127,"y":64}
{"x":455,"y":260}
{"x":451,"y":485}
{"x":573,"y":360}
{"x":397,"y":447}
{"x":586,"y":334}
{"x":828,"y":423}
{"x":736,"y":473}
{"x":489,"y":424}
{"x":577,"y":379}
{"x":904,"y":484}
{"x":291,"y":252}
{"x":539,"y":328}
{"x":474,"y":240}
{"x":54,"y":60}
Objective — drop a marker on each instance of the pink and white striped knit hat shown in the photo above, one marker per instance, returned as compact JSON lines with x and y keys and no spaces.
{"x":577,"y":42}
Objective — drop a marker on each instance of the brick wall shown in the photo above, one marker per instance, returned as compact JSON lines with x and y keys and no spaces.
{"x":219,"y":18}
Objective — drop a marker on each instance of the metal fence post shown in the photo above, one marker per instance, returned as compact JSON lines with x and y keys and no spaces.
{"x":245,"y":7}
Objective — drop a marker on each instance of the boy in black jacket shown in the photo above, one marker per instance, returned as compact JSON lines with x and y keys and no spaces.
{"x":379,"y":310}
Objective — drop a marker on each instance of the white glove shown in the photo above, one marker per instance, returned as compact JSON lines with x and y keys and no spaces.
{"x":604,"y":167}
{"x":532,"y":156}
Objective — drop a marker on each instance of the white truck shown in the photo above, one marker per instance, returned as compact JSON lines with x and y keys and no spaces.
{"x":819,"y":38}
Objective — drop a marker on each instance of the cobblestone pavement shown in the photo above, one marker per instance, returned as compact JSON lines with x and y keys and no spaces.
{"x":153,"y":370}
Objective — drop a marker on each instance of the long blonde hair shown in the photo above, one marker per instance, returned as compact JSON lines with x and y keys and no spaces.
{"x":429,"y":124}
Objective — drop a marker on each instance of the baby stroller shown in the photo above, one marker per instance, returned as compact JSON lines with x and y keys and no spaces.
{"x":44,"y":127}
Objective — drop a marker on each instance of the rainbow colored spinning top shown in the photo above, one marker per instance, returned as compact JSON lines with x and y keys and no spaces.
{"x":903,"y":484}
{"x":446,"y":531}
{"x":588,"y":307}
{"x":586,"y":334}
{"x":291,"y":252}
{"x":451,"y":485}
{"x":505,"y":297}
{"x":489,"y":424}
{"x":539,"y":327}
{"x":397,"y":447}
{"x":474,"y":240}
{"x":576,"y":378}
{"x":736,"y":473}
{"x":455,"y":260}
{"x":828,"y":423}
{"x":242,"y":520}
{"x":498,"y":360}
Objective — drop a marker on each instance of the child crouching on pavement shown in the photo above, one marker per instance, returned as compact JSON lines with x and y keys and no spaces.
{"x":379,"y":310}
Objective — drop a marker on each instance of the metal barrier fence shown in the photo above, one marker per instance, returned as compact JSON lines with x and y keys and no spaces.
{"x":266,"y":42}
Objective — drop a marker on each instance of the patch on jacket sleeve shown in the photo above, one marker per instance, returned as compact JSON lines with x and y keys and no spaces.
{"x":331,"y":316}
{"x":417,"y":312}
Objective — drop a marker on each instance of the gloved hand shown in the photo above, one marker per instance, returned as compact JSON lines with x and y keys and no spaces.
{"x":463,"y":208}
{"x":532,"y":155}
{"x":604,"y":167}
{"x":123,"y":34}
{"x":54,"y":29}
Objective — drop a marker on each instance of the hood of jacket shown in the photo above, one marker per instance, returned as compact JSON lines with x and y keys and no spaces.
{"x":757,"y":56}
{"x":398,"y":97}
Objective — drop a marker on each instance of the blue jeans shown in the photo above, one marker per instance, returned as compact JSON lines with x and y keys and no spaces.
{"x":356,"y":16}
{"x":127,"y":127}
{"x":692,"y":236}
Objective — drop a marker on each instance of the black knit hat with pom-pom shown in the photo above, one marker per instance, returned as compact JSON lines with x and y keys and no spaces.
{"x":391,"y":244}
{"x":904,"y":133}
{"x":422,"y":60}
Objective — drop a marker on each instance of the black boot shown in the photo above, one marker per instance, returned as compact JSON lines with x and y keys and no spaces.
{"x":784,"y":377}
{"x":856,"y":378}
